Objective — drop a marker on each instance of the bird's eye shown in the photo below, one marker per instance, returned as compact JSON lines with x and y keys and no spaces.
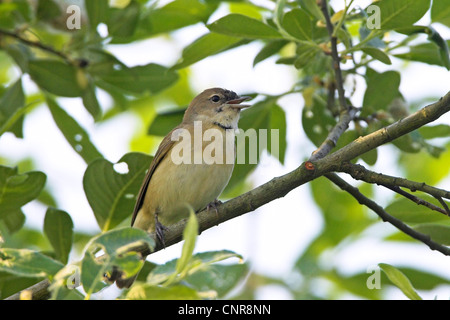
{"x":215,"y":98}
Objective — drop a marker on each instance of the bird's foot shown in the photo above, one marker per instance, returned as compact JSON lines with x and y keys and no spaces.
{"x":159,"y":230}
{"x":213,"y":205}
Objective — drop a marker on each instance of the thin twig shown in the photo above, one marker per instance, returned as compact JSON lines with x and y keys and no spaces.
{"x":415,"y":199}
{"x":362,"y":199}
{"x":347,"y":113}
{"x":334,"y":55}
{"x":36,"y":44}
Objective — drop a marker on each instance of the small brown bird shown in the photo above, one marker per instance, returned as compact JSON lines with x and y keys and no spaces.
{"x":170,"y":188}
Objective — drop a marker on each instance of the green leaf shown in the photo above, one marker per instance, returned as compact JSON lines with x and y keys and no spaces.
{"x":269,"y":50}
{"x":18,"y":189}
{"x":117,"y":245}
{"x":205,"y":46}
{"x":440,"y":12}
{"x":387,"y":82}
{"x":122,"y":22}
{"x":140,"y":79}
{"x":97,"y":12}
{"x":190,"y":233}
{"x":278,"y":122}
{"x":439,"y":233}
{"x":27,"y":263}
{"x":90,"y":101}
{"x":55,"y":77}
{"x":312,"y":8}
{"x":165,"y":121}
{"x":150,"y":292}
{"x":401,"y":13}
{"x":219,"y":278}
{"x":400,"y":280}
{"x":434,"y":36}
{"x":425,"y":52}
{"x":238,"y":25}
{"x":298,"y":24}
{"x":58,"y":227}
{"x":178,"y":14}
{"x":437,"y":131}
{"x":12,"y":105}
{"x":77,"y":137}
{"x":410,"y":212}
{"x":305,"y":55}
{"x":317,"y":120}
{"x":377,"y":54}
{"x":112,"y":194}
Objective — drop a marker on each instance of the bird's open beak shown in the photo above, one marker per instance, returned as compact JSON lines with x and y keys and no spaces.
{"x":235,"y":103}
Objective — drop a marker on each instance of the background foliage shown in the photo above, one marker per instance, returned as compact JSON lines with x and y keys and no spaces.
{"x":42,"y":62}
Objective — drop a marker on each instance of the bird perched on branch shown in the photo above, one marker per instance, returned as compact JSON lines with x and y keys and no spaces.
{"x":192,"y":165}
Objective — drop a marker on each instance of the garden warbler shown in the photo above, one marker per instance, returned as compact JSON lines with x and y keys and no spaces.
{"x":192,"y":165}
{"x":190,"y":169}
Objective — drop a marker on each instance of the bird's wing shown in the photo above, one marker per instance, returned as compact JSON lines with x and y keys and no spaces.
{"x":161,"y":153}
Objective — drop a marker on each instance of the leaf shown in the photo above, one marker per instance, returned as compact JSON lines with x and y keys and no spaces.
{"x":166,"y":121}
{"x":90,"y":101}
{"x":18,"y":189}
{"x":205,"y":46}
{"x":190,"y":233}
{"x":440,"y":12}
{"x":434,"y":37}
{"x":278,"y":122}
{"x":298,"y":24}
{"x":439,"y":233}
{"x":400,"y":280}
{"x":269,"y":50}
{"x":150,"y":292}
{"x":112,"y":194}
{"x":58,"y":227}
{"x":27,"y":263}
{"x":238,"y":25}
{"x":317,"y":120}
{"x":178,"y":14}
{"x":97,"y":12}
{"x":12,"y":105}
{"x":122,"y":22}
{"x":377,"y":54}
{"x":410,"y":212}
{"x":77,"y":137}
{"x":55,"y":77}
{"x":437,"y":131}
{"x":116,"y":245}
{"x":401,"y":13}
{"x":198,"y":263}
{"x":427,"y":53}
{"x":219,"y":278}
{"x":140,"y":79}
{"x":387,"y":82}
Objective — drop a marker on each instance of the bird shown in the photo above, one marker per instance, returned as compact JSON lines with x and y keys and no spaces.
{"x":171,"y":188}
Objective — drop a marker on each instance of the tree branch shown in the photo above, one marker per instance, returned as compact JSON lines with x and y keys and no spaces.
{"x":39,"y":45}
{"x":278,"y":187}
{"x":359,"y":172}
{"x":385,"y":216}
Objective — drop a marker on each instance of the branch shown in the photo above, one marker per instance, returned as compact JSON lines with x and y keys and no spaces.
{"x":39,"y":45}
{"x":347,"y":113}
{"x":278,"y":187}
{"x":359,"y":172}
{"x":385,"y":216}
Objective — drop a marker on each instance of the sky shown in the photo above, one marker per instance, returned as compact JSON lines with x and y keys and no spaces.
{"x":271,"y":237}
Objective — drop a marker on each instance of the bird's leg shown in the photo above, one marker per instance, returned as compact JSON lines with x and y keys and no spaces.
{"x":159,"y":230}
{"x":213,"y":205}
